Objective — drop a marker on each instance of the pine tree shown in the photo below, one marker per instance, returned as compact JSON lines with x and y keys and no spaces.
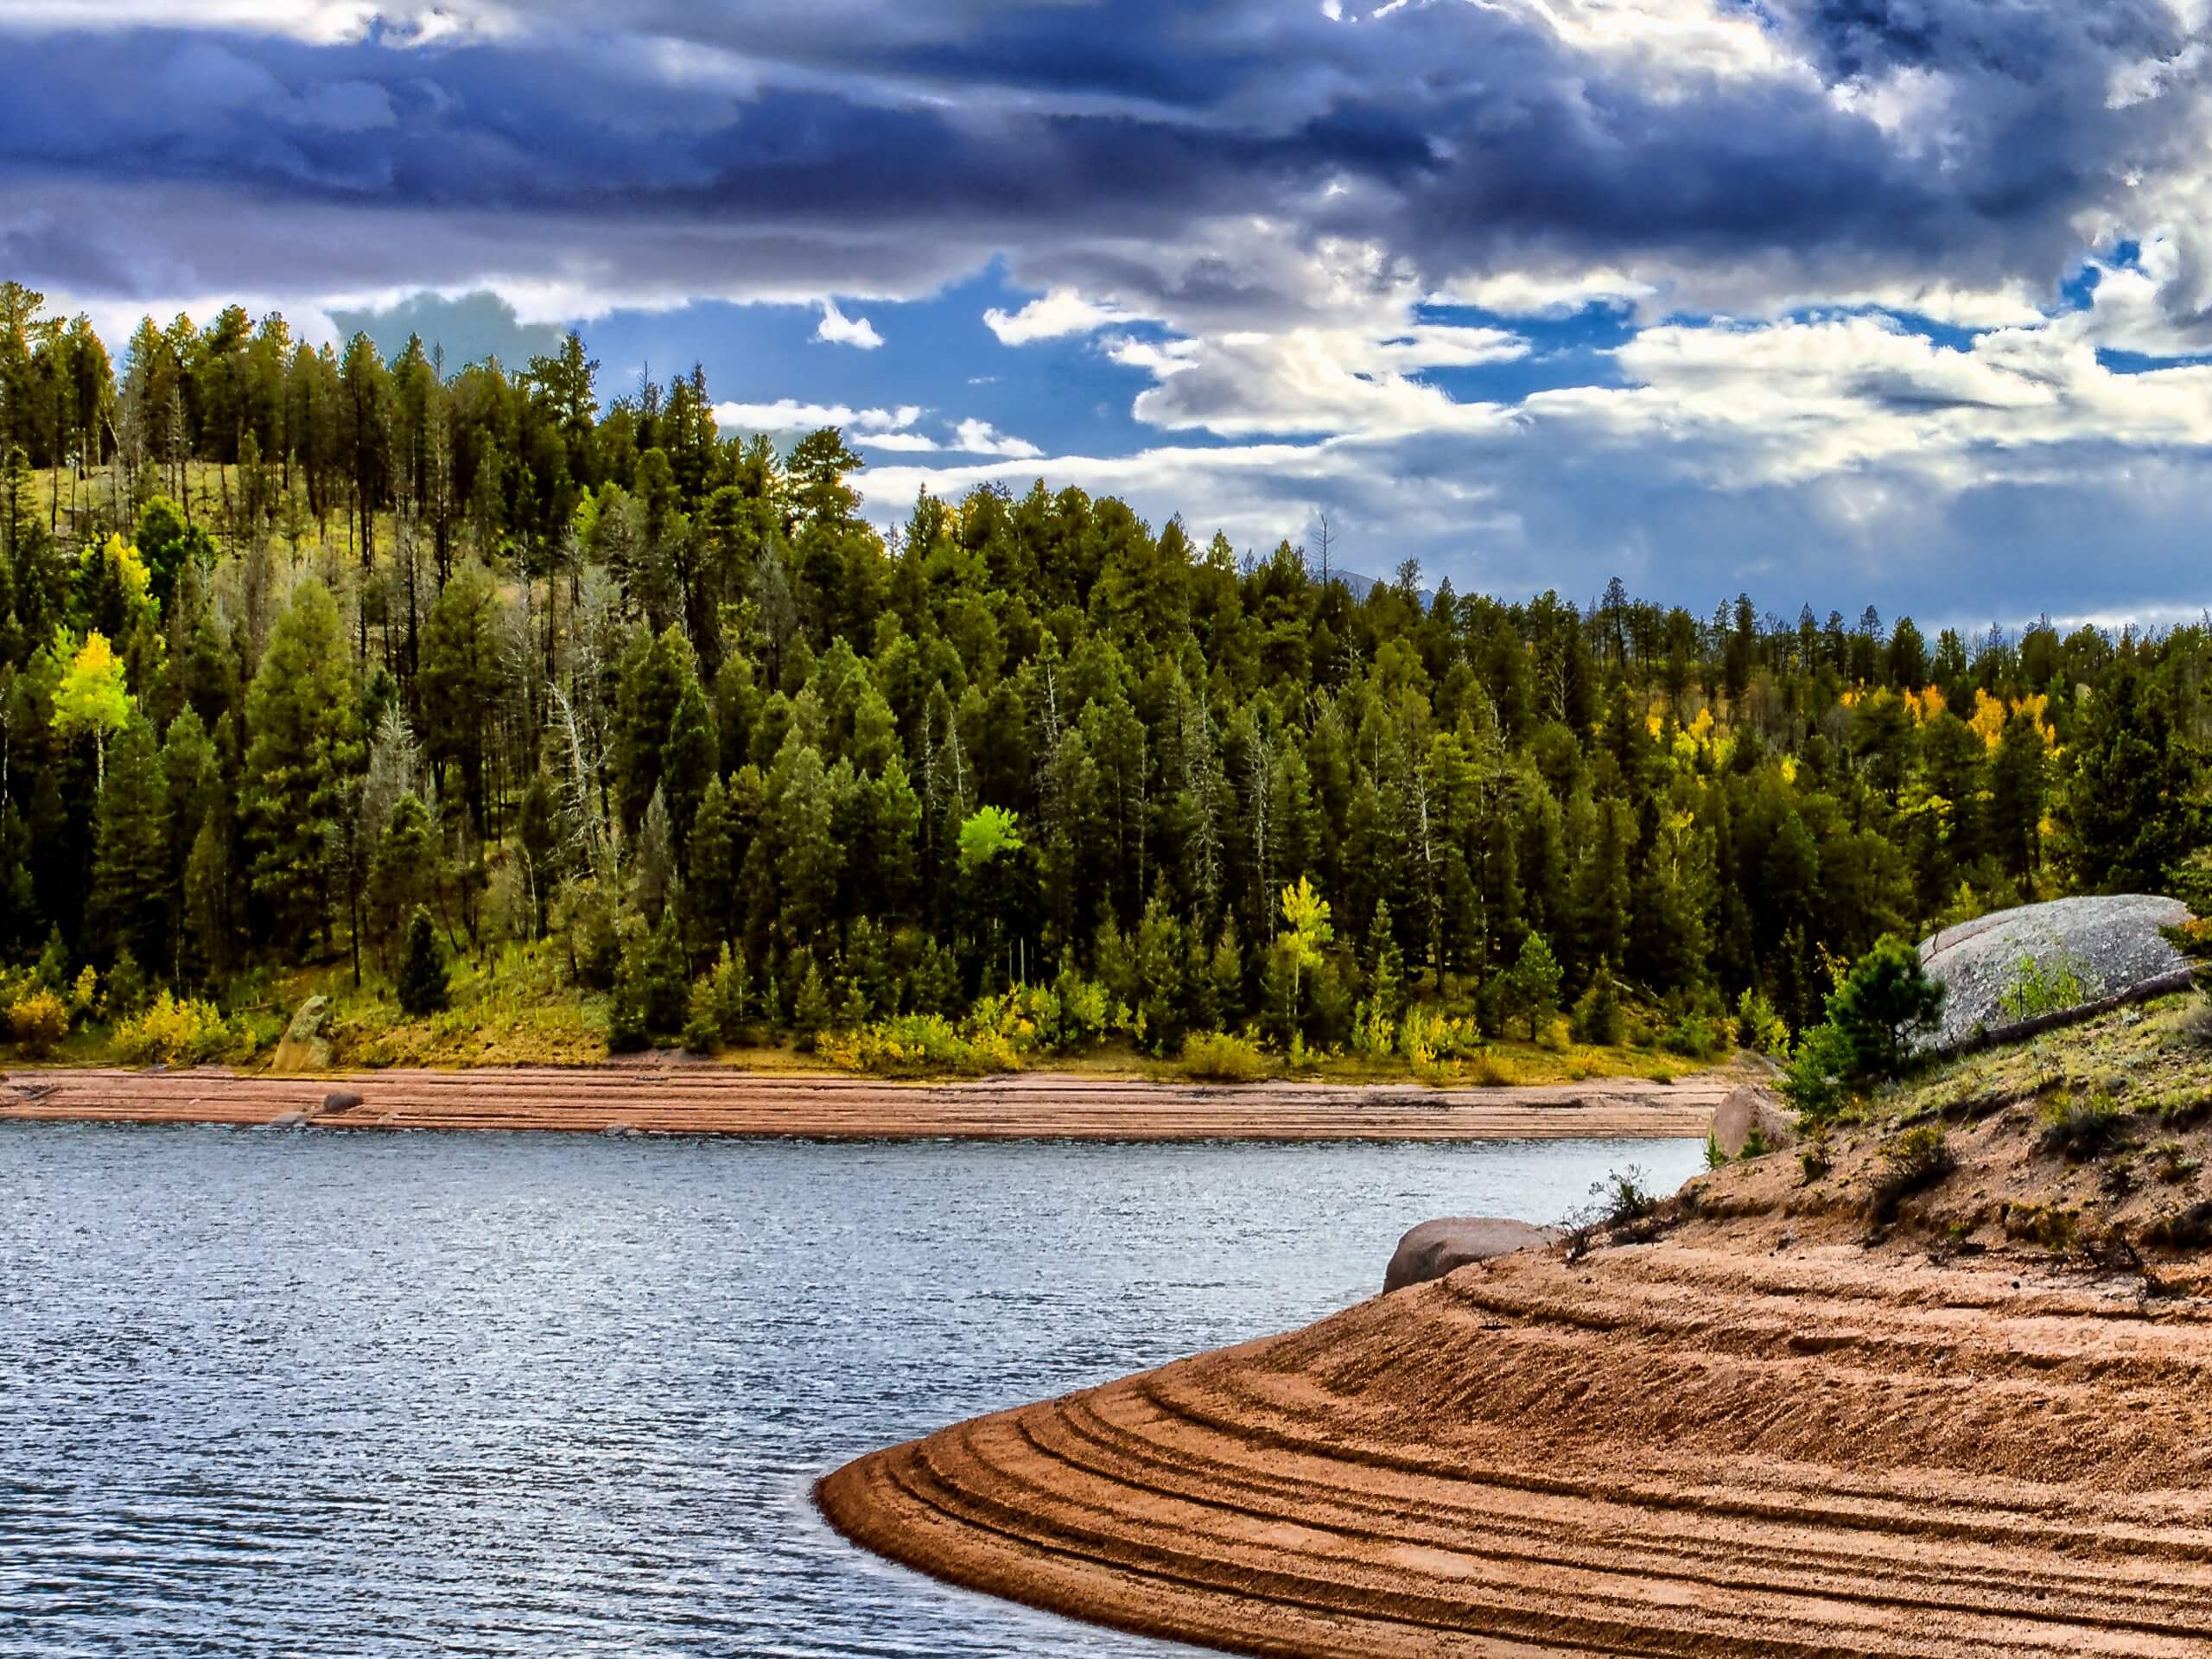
{"x":690,"y":760}
{"x":129,"y":905}
{"x":1534,"y":983}
{"x":422,"y":985}
{"x":307,"y":749}
{"x":710,"y":884}
{"x":810,"y":1011}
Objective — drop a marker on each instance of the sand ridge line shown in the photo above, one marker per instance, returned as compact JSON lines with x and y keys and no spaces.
{"x":706,"y":1100}
{"x":1420,"y":1475}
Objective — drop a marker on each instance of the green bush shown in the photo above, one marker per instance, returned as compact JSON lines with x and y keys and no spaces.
{"x":1692,"y":1037}
{"x":1816,"y":1080}
{"x":1217,"y":1057}
{"x":1597,"y":1015}
{"x":2045,"y":987}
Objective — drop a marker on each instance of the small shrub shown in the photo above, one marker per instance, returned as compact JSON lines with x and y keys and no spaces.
{"x":1911,"y":1163}
{"x":912,"y":1045}
{"x":1622,"y":1197}
{"x":2194,"y":1028}
{"x":1755,"y":1144}
{"x":1884,"y":1006}
{"x":38,"y":1022}
{"x":172,"y":1033}
{"x":1490,"y":1071}
{"x":1598,"y":1018}
{"x":1714,"y":1157}
{"x":126,"y":986}
{"x":1813,"y":1160}
{"x":1217,"y":1057}
{"x":1758,"y":1026}
{"x":1426,"y":1037}
{"x":2055,"y":1227}
{"x":2186,"y":1229}
{"x":1692,"y":1037}
{"x":2080,"y":1128}
{"x":1816,"y":1081}
{"x":2045,"y":987}
{"x":2172,"y":1163}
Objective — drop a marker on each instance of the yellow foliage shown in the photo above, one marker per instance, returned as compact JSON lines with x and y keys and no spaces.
{"x":1925,"y":703}
{"x":1991,"y":714}
{"x":38,"y":1021}
{"x":130,"y":571}
{"x":91,"y":697}
{"x":172,"y":1031}
{"x":1219,"y":1056}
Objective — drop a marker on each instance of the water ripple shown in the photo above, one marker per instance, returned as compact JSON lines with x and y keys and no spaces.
{"x":509,"y":1395}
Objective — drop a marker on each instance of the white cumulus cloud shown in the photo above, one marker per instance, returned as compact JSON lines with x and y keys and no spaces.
{"x":835,"y":328}
{"x":1053,"y":316}
{"x":975,"y":437}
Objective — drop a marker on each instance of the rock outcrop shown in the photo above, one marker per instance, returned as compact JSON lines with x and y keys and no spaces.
{"x":1436,"y":1247}
{"x":1744,"y":1110}
{"x":2111,"y":945}
{"x":303,"y":1046}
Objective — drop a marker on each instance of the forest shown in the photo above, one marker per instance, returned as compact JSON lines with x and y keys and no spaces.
{"x":492,"y":699}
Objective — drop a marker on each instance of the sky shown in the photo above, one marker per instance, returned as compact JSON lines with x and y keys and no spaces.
{"x":1838,"y":302}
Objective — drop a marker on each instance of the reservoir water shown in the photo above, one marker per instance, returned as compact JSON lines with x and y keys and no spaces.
{"x":274,"y":1394}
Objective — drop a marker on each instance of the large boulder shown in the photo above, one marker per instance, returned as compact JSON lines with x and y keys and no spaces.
{"x":2112,"y":945}
{"x":1742,"y":1110}
{"x":303,"y":1046}
{"x":1435,"y":1248}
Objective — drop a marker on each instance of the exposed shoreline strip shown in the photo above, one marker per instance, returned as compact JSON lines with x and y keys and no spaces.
{"x":704,"y":1100}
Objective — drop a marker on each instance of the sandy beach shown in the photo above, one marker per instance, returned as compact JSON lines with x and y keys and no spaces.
{"x":710,"y":1100}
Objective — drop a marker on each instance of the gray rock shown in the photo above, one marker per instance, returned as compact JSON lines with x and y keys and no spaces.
{"x":303,"y":1046}
{"x":1435,"y":1248}
{"x":2112,"y":943}
{"x":288,"y":1120}
{"x":1741,"y":1110}
{"x":341,"y":1100}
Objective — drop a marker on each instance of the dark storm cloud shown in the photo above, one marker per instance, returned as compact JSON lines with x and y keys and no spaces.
{"x":1458,"y":138}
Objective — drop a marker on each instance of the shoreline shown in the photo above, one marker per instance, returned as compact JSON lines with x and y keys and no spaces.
{"x":1837,"y":1404}
{"x":707,"y":1099}
{"x":1681,"y":1449}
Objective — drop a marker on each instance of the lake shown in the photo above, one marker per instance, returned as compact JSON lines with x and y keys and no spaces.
{"x":272,"y":1393}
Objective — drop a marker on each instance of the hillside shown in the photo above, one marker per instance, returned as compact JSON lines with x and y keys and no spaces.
{"x":1933,"y":1384}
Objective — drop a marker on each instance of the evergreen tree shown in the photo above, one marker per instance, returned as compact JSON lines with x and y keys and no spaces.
{"x":307,"y":750}
{"x":691,"y":760}
{"x":128,"y":909}
{"x":422,"y":982}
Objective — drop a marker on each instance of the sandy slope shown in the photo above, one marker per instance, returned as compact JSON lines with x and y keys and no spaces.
{"x":708,"y":1100}
{"x":1772,"y":1427}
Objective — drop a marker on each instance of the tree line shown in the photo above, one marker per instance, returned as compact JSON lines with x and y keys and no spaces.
{"x":296,"y":642}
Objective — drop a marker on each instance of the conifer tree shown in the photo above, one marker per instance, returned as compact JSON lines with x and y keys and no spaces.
{"x":422,"y":985}
{"x":307,"y":748}
{"x":689,"y":760}
{"x":128,"y":909}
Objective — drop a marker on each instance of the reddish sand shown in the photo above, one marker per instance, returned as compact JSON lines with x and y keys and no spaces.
{"x":1766,"y":1431}
{"x":710,"y":1100}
